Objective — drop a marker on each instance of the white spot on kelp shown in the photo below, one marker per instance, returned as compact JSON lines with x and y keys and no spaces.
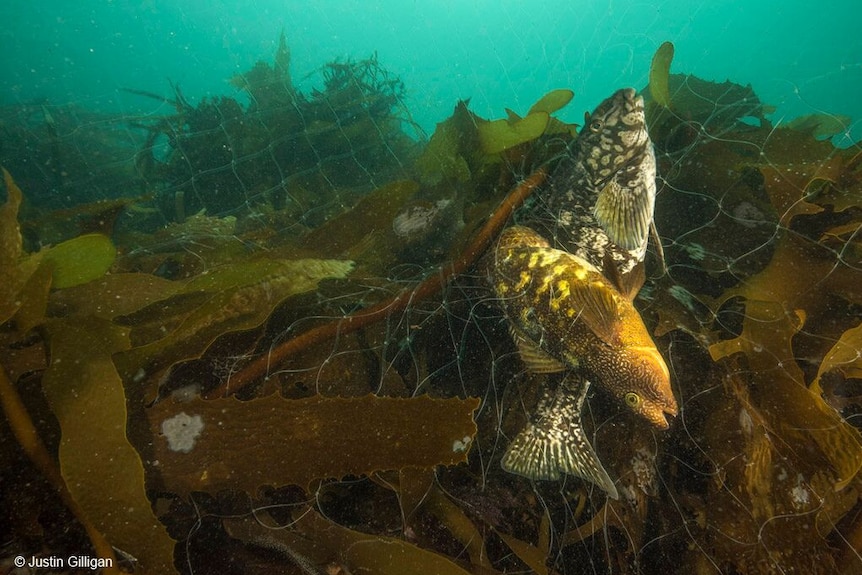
{"x":461,"y":445}
{"x":181,"y":431}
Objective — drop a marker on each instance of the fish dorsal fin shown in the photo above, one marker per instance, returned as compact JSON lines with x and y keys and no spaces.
{"x":535,"y":358}
{"x":625,"y":215}
{"x":598,"y":307}
{"x":628,"y":284}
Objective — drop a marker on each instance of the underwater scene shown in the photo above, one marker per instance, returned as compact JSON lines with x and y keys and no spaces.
{"x":438,"y":288}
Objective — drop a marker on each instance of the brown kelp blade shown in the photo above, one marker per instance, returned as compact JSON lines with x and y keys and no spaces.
{"x":231,"y":444}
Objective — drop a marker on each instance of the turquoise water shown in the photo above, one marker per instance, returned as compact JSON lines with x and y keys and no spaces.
{"x":799,"y":58}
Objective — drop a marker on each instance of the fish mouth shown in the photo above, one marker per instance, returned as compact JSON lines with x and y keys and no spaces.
{"x":632,"y":101}
{"x":631,"y":95}
{"x":656,"y":413}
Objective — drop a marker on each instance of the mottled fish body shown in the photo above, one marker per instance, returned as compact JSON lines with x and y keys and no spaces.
{"x":565,"y":315}
{"x":600,"y":200}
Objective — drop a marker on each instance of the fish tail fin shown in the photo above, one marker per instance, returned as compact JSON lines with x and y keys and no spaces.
{"x":554,"y":442}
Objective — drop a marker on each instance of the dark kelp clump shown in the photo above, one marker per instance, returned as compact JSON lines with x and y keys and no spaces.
{"x":300,"y":370}
{"x":311,"y":152}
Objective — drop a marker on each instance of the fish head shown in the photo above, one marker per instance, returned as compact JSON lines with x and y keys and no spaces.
{"x":643,"y":383}
{"x":614,"y":135}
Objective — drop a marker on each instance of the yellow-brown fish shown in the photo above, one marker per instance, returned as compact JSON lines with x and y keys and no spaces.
{"x":565,"y":315}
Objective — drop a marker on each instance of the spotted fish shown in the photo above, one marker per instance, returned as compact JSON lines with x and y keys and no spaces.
{"x":565,"y":315}
{"x":600,"y":199}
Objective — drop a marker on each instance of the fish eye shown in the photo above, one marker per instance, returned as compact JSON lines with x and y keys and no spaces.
{"x":633,"y":400}
{"x":596,"y":125}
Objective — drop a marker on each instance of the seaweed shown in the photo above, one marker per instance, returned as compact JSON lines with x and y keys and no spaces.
{"x":67,"y":154}
{"x":103,"y":471}
{"x":317,"y":541}
{"x":79,"y":260}
{"x":30,"y":441}
{"x":228,"y":299}
{"x":225,"y":157}
{"x":659,"y":75}
{"x":269,"y":86}
{"x":767,"y":407}
{"x":229,"y":444}
{"x":372,"y":217}
{"x":449,"y":154}
{"x":405,"y":297}
{"x":821,"y":126}
{"x":465,"y":143}
{"x":500,"y":135}
{"x":843,"y":357}
{"x":12,"y":275}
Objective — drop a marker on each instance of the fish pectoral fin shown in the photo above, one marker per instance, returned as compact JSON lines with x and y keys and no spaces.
{"x":597,"y":302}
{"x":535,"y":358}
{"x":554,"y":443}
{"x":624,"y":215}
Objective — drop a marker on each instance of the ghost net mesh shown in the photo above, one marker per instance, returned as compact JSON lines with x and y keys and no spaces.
{"x":288,"y":296}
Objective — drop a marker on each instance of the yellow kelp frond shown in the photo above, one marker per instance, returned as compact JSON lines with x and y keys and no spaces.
{"x":659,"y":74}
{"x":552,"y":102}
{"x":449,"y":153}
{"x":79,"y":260}
{"x":229,"y":299}
{"x":373,"y":214}
{"x":821,"y":126}
{"x":844,"y":357}
{"x":778,"y":385}
{"x":312,"y":539}
{"x":499,"y":135}
{"x":102,"y":469}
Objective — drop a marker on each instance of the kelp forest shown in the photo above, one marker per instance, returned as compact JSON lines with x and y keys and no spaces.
{"x":254,"y":335}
